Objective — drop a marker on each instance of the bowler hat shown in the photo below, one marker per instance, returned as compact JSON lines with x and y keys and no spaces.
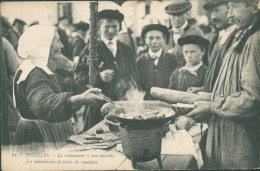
{"x":111,"y":14}
{"x":194,"y":39}
{"x":213,"y":4}
{"x":81,"y":26}
{"x":178,"y":7}
{"x":157,"y":27}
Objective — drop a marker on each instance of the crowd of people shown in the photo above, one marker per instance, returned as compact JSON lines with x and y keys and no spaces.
{"x":47,"y":73}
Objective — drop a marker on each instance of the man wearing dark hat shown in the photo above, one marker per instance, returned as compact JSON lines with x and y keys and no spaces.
{"x":78,"y":38}
{"x":117,"y":71}
{"x":193,"y":73}
{"x":16,"y":31}
{"x":219,"y":18}
{"x":155,"y":66}
{"x":179,"y":13}
{"x":233,"y":131}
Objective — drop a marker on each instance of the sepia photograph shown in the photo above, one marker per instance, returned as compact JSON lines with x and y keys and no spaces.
{"x":130,"y":85}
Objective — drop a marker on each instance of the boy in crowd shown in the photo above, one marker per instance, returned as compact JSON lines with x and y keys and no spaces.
{"x":155,"y":66}
{"x":193,"y":73}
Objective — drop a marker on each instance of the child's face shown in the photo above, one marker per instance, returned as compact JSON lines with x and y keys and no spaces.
{"x":192,"y":54}
{"x":154,"y":40}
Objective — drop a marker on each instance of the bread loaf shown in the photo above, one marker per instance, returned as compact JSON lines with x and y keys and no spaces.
{"x":172,"y":96}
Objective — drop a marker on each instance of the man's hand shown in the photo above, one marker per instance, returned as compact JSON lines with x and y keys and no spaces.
{"x":195,"y":89}
{"x":183,"y":122}
{"x":201,"y":111}
{"x":107,"y":75}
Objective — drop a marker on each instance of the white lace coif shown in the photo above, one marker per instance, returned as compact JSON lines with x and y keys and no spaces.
{"x":34,"y":44}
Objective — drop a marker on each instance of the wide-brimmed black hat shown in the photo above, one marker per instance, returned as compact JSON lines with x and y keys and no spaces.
{"x":81,"y":26}
{"x":194,"y":39}
{"x":213,"y":4}
{"x":19,"y":22}
{"x":157,"y":27}
{"x":111,"y":14}
{"x":178,"y":7}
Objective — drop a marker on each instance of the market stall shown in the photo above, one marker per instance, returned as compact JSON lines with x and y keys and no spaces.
{"x":178,"y":149}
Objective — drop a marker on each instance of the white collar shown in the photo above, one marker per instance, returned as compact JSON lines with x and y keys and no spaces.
{"x":225,"y":33}
{"x":114,"y":44}
{"x":192,"y":69}
{"x":228,"y":30}
{"x":174,"y":29}
{"x":157,"y":54}
{"x":106,"y":41}
{"x":27,"y":66}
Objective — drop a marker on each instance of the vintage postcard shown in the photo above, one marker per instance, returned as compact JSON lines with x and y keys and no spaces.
{"x":124,"y":85}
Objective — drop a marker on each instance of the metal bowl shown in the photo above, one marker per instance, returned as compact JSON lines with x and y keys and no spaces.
{"x":144,"y":124}
{"x":112,"y":122}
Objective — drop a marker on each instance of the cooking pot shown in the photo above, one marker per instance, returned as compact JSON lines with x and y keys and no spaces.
{"x":142,"y":123}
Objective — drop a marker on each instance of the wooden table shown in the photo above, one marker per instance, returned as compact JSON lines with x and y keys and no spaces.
{"x":120,"y":162}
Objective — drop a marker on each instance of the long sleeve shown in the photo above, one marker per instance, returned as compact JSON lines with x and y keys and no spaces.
{"x":173,"y":79}
{"x":245,"y":103}
{"x":43,"y":101}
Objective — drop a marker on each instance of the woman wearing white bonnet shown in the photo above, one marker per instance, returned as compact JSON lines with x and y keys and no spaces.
{"x":44,"y":109}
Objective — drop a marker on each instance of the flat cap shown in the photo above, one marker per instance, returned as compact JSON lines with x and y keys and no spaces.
{"x":81,"y":26}
{"x":157,"y":27}
{"x":178,"y":7}
{"x":213,"y":4}
{"x":194,"y":39}
{"x":111,"y":14}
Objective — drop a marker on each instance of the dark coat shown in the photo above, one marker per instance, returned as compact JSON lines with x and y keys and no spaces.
{"x":123,"y":64}
{"x":78,"y":45}
{"x":126,"y":76}
{"x":10,"y":63}
{"x":152,"y":75}
{"x":45,"y":112}
{"x":183,"y":80}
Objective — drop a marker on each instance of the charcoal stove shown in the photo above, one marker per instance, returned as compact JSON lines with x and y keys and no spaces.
{"x":142,"y":139}
{"x":141,"y":145}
